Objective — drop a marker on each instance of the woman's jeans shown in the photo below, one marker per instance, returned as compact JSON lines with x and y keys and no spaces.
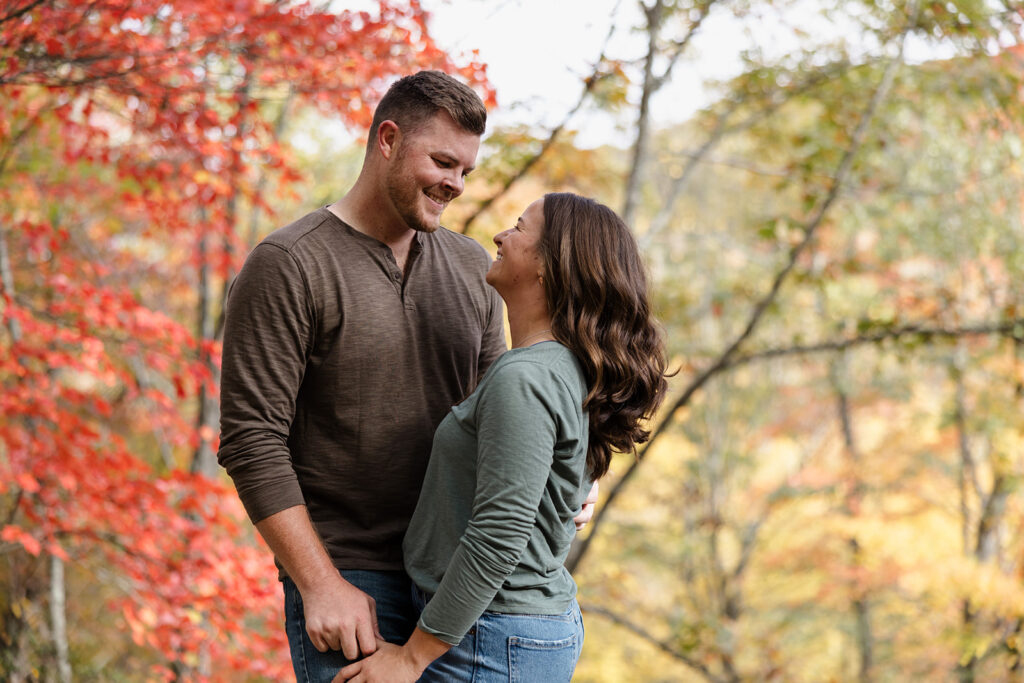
{"x":512,"y":648}
{"x":396,"y":617}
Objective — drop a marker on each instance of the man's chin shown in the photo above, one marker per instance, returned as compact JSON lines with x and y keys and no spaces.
{"x":426,"y":227}
{"x":421,"y":223}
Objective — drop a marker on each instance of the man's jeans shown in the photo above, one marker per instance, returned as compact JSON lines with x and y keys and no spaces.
{"x":396,"y":617}
{"x":522,"y":648}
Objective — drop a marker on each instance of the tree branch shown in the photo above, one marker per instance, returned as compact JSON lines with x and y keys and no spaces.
{"x":661,"y":645}
{"x":14,"y":14}
{"x":679,"y":46}
{"x":581,"y":546}
{"x":588,"y":86}
{"x":721,"y":130}
{"x":1014,"y":327}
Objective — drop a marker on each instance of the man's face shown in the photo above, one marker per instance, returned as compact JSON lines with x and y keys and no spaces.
{"x":428,"y":170}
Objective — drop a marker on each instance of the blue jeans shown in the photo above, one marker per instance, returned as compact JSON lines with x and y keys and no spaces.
{"x":396,"y":617}
{"x":512,"y":648}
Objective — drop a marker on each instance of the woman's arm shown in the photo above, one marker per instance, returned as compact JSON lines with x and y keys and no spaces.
{"x":516,"y":431}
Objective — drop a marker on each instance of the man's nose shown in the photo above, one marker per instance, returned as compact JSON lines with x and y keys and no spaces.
{"x":455,"y":183}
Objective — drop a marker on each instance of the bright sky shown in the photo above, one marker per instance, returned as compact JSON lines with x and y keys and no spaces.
{"x":538,"y":52}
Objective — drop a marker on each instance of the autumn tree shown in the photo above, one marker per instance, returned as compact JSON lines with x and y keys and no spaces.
{"x":141,"y":144}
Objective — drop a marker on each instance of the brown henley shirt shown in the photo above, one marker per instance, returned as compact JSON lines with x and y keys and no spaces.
{"x":336,"y":371}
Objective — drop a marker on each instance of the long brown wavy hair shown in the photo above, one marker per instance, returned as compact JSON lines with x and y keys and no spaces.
{"x":596,"y":289}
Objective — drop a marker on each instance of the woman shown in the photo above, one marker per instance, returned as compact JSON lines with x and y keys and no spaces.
{"x":512,"y":464}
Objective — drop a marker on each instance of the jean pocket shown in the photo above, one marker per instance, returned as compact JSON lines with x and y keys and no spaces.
{"x":530,"y":659}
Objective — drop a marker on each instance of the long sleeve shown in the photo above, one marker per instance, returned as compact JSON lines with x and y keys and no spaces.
{"x":267,"y":338}
{"x":517,"y":418}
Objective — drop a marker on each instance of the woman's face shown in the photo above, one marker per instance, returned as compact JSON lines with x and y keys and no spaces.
{"x":518,"y":264}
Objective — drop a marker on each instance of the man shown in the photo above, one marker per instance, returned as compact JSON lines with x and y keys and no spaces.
{"x":349,"y":334}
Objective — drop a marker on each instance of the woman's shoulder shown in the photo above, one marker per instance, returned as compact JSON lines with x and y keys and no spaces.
{"x":542,"y":363}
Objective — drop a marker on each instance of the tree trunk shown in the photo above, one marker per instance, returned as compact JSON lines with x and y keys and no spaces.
{"x":204,"y":461}
{"x":965,"y":667}
{"x":15,"y":666}
{"x":860,"y":602}
{"x":654,"y":16}
{"x":58,"y":620}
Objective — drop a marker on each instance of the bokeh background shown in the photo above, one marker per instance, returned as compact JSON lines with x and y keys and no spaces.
{"x":830,"y":198}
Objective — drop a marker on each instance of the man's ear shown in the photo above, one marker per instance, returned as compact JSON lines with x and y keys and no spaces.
{"x":388,"y":137}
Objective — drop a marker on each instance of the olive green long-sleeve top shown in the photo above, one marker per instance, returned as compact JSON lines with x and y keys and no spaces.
{"x":506,"y":477}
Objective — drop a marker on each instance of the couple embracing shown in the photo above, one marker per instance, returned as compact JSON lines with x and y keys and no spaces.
{"x":419,"y":484}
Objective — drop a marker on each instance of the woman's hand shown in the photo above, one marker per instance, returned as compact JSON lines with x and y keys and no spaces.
{"x":587,"y":513}
{"x":390,"y":663}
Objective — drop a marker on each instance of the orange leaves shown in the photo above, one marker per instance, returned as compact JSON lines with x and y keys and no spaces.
{"x":14,"y":534}
{"x":27,"y":482}
{"x":136,"y":131}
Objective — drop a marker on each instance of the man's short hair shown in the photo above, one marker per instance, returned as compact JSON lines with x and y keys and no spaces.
{"x":412,"y":100}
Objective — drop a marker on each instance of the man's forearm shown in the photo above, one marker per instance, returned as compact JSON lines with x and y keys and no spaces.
{"x":338,"y":615}
{"x":297,"y":546}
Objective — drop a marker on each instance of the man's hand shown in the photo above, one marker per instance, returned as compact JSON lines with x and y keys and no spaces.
{"x":341,"y":617}
{"x":338,"y":615}
{"x":587,"y":512}
{"x":390,"y":664}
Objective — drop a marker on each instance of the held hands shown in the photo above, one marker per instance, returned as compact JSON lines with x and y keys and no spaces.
{"x":341,"y":617}
{"x":389,"y":664}
{"x":393,"y":664}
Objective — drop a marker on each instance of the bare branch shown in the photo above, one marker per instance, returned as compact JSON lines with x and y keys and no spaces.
{"x":679,"y":46}
{"x":588,"y":86}
{"x":14,"y":14}
{"x":1014,"y":327}
{"x":721,"y":130}
{"x":661,"y":220}
{"x":747,"y":545}
{"x":661,"y":645}
{"x":653,"y":15}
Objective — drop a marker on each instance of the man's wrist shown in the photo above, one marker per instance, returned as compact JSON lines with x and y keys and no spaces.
{"x":323,"y":580}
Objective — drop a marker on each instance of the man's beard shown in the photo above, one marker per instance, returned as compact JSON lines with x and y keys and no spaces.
{"x":407,"y":197}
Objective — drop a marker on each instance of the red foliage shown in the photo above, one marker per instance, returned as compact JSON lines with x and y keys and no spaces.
{"x":130,"y":130}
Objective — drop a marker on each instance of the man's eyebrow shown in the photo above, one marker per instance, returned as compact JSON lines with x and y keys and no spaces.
{"x":453,"y":159}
